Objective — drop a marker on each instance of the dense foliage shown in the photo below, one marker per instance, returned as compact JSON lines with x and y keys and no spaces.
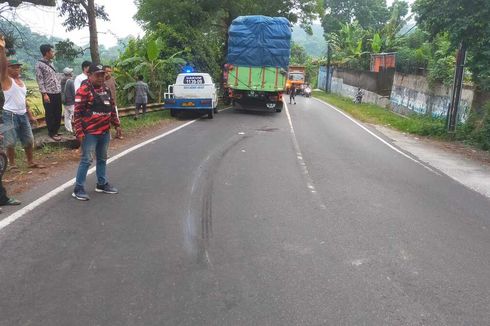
{"x":159,"y":56}
{"x":465,"y":21}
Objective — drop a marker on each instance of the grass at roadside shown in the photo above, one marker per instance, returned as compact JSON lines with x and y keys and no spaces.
{"x":151,"y":119}
{"x":369,"y":113}
{"x":34,"y":98}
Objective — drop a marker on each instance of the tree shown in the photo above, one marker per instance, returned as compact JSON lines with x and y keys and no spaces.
{"x":67,"y":52}
{"x":16,"y":3}
{"x":464,"y":21}
{"x":7,"y":6}
{"x":83,"y":13}
{"x":298,"y":55}
{"x":348,"y":46}
{"x":157,"y":57}
{"x":370,"y":14}
{"x":215,"y":16}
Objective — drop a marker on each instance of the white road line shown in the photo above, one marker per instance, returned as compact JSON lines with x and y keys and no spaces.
{"x":15,"y":216}
{"x":379,"y":138}
{"x":304,"y":168}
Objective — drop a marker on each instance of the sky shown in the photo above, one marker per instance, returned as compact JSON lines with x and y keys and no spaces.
{"x":44,"y":20}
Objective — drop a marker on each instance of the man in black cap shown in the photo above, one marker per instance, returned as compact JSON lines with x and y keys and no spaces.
{"x":94,"y":113}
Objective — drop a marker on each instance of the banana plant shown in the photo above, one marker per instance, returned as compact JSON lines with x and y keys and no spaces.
{"x":347,"y":43}
{"x":151,"y":66}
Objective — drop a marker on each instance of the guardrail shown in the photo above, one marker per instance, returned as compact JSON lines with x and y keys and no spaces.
{"x":123,"y":112}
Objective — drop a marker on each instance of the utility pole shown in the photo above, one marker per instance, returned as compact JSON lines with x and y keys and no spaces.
{"x":329,"y":59}
{"x":457,"y":88}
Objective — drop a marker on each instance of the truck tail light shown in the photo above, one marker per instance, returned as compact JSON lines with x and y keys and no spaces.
{"x":273,"y":98}
{"x":170,"y":101}
{"x":205,"y":102}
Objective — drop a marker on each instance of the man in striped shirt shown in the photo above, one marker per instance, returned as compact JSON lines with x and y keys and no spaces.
{"x":94,"y":114}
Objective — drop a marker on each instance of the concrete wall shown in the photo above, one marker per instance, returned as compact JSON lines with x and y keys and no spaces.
{"x":341,"y":88}
{"x":412,"y":94}
{"x":404,"y":94}
{"x":375,"y":82}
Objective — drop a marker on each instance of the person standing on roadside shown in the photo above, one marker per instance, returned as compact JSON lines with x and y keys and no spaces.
{"x":68,"y":97}
{"x":83,"y":76}
{"x":16,"y":116}
{"x":49,"y":83}
{"x":110,"y":82}
{"x":94,"y":114}
{"x":292,"y":94}
{"x":4,"y":198}
{"x":141,"y":96}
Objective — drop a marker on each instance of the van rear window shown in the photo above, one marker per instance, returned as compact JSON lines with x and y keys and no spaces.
{"x":193,"y":80}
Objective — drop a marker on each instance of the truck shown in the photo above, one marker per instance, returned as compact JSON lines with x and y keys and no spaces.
{"x":296,"y":77}
{"x":255,"y":75}
{"x":192,"y":92}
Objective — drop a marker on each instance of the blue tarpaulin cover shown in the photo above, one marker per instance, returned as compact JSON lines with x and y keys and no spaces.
{"x":259,"y":41}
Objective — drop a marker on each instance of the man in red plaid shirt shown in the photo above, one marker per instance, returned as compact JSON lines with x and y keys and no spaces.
{"x":94,"y":114}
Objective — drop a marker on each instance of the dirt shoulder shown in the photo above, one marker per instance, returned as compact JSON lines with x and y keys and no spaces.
{"x":469,"y":166}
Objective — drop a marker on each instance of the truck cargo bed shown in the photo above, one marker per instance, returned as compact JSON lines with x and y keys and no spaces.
{"x":266,"y":79}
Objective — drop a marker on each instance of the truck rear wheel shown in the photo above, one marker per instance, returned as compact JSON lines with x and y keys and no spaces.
{"x":279,"y":107}
{"x":173,"y":112}
{"x":211,"y":114}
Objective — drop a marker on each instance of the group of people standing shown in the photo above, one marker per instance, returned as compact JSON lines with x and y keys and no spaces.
{"x":90,"y":110}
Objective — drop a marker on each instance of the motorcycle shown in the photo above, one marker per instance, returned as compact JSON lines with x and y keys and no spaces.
{"x":307,"y":92}
{"x":358,"y":97}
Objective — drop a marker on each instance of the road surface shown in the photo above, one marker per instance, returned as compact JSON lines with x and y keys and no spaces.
{"x":242,"y":220}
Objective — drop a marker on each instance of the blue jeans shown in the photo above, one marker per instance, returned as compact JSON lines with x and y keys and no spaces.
{"x":16,"y":127}
{"x":91,"y":144}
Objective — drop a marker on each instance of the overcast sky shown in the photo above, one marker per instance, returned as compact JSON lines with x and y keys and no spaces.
{"x":44,"y":20}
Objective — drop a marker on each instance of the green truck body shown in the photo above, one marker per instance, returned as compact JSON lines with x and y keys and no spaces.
{"x":261,"y":79}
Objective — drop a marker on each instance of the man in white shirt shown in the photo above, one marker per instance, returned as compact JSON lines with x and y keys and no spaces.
{"x":83,"y":76}
{"x":17,"y":117}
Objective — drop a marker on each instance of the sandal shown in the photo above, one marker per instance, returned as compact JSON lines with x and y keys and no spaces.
{"x":56,"y":138}
{"x":13,"y":202}
{"x":13,"y":168}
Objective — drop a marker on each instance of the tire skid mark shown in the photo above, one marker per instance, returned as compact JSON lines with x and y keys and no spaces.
{"x":198,"y":226}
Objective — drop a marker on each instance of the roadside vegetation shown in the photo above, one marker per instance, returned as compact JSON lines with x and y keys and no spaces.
{"x":472,"y":133}
{"x":370,"y":113}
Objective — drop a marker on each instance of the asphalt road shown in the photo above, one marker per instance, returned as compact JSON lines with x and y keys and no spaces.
{"x":241,"y":221}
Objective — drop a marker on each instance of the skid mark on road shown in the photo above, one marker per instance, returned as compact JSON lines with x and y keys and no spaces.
{"x":304,"y":168}
{"x":198,"y":226}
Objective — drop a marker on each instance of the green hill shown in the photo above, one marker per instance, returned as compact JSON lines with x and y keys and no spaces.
{"x":315,"y":44}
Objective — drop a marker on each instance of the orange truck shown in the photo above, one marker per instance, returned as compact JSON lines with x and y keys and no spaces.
{"x":296,"y":76}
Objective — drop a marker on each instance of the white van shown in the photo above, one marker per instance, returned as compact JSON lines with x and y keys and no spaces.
{"x":192,"y":91}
